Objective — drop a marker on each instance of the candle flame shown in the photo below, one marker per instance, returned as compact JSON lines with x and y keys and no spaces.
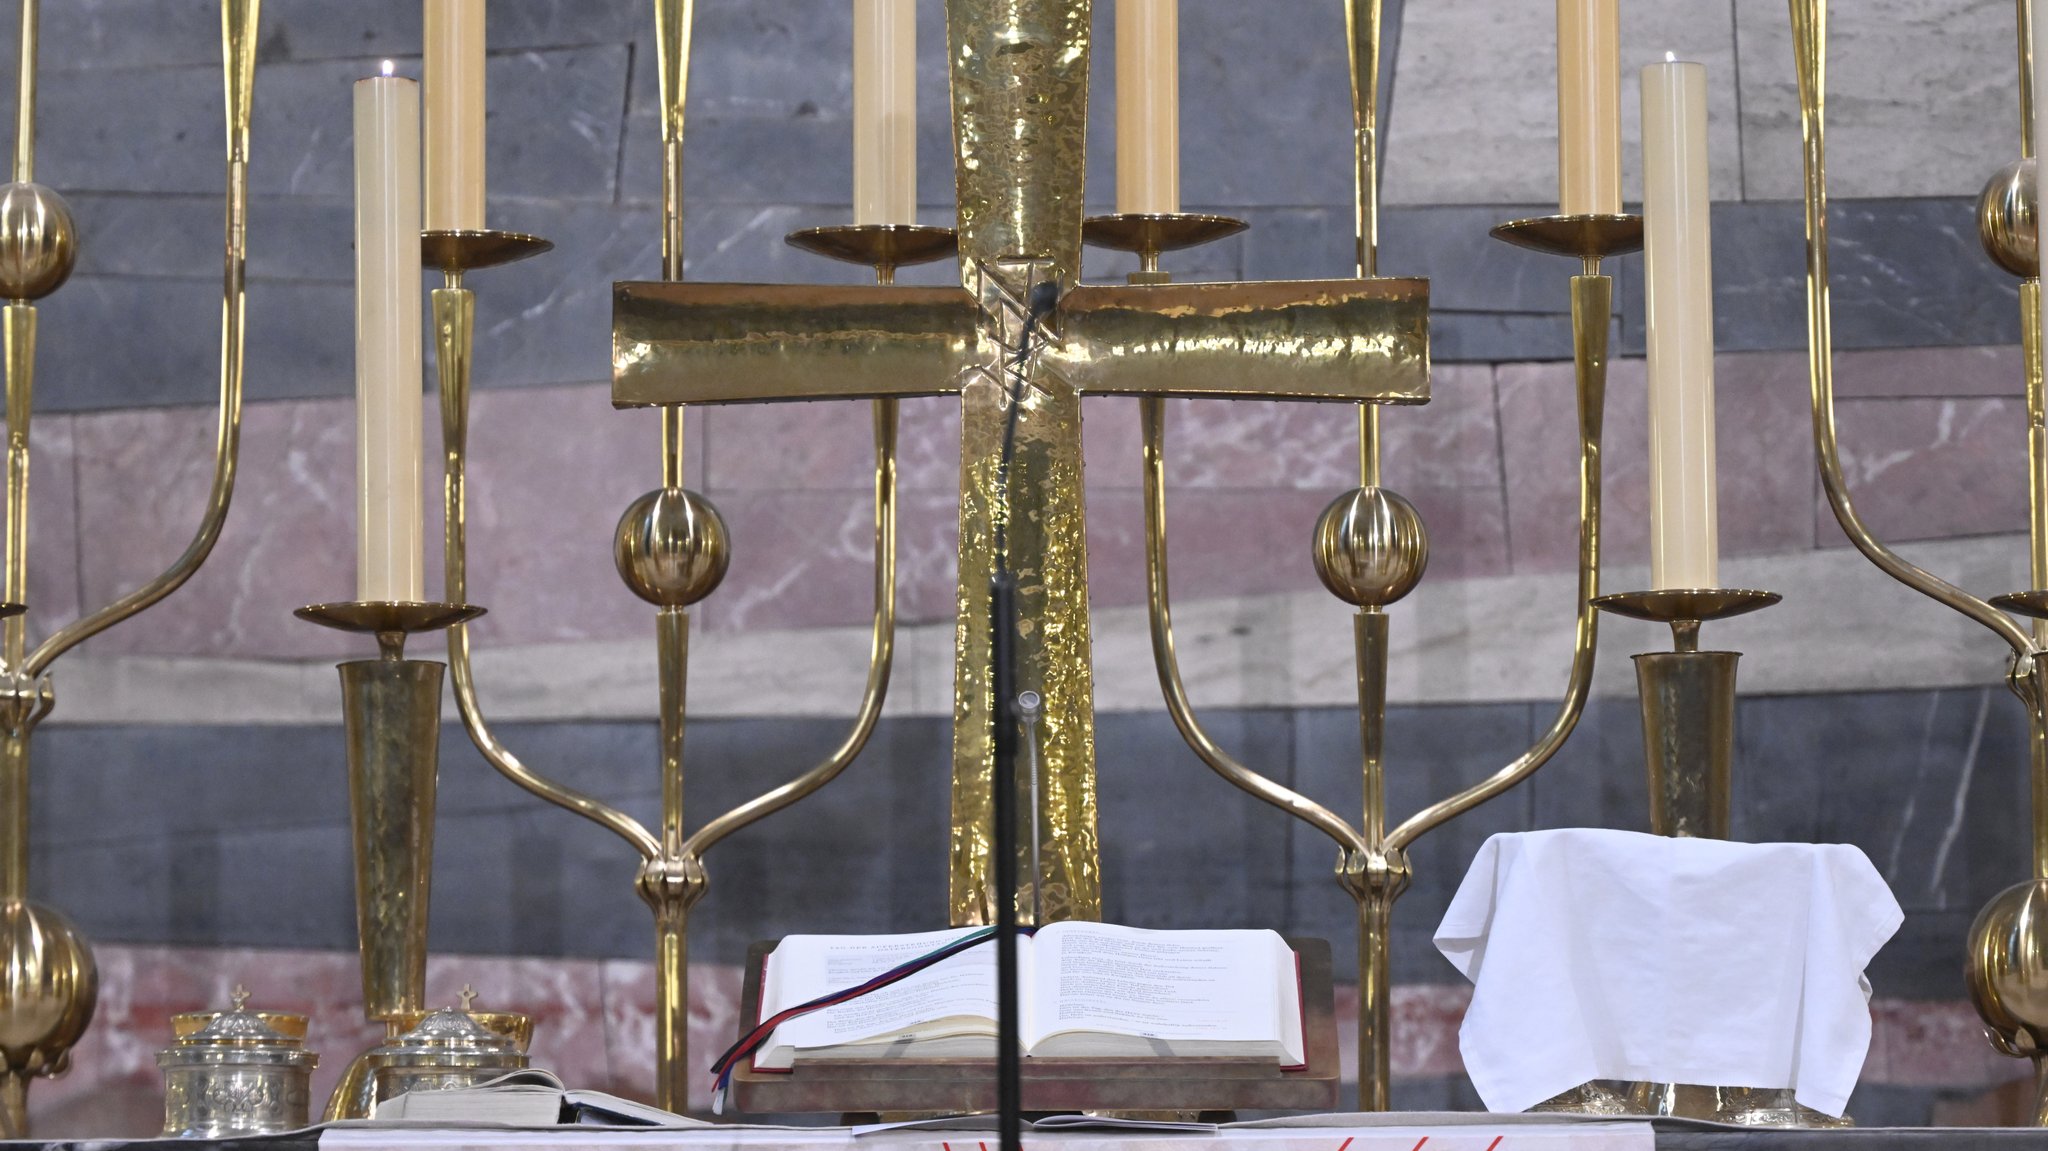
{"x":1669,"y":58}
{"x":388,"y":67}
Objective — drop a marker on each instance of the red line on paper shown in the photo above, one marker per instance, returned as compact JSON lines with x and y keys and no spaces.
{"x":1346,"y":1143}
{"x":1495,"y":1143}
{"x":1419,"y":1143}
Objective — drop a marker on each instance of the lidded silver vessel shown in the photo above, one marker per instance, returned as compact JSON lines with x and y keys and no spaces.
{"x":448,"y":1049}
{"x":237,"y":1075}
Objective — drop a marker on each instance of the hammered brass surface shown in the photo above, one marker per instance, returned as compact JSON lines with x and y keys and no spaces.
{"x":679,"y":343}
{"x":1019,"y":73}
{"x":1043,"y":521}
{"x":1275,"y":340}
{"x":391,"y":712}
{"x":1688,"y":707}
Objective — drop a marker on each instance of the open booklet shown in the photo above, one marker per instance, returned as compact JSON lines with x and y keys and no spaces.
{"x":531,"y":1098}
{"x":1084,"y":989}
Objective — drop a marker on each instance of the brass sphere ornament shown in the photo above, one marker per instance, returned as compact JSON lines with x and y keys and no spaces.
{"x":2008,"y":968}
{"x":671,"y":547}
{"x":2007,"y":220}
{"x":1370,"y":547}
{"x":49,"y":985}
{"x":38,"y":242}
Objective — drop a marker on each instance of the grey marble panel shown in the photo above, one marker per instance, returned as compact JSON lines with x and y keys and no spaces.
{"x":1477,"y":88}
{"x":1923,"y":97}
{"x":102,"y":35}
{"x":1931,"y":785}
{"x":560,"y":107}
{"x":239,"y":836}
{"x":1431,"y":753}
{"x":1903,"y":273}
{"x":1179,"y":844}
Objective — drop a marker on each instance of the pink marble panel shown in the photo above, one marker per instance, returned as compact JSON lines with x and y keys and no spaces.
{"x":52,"y":524}
{"x":1978,"y":371}
{"x":806,"y":559}
{"x":829,"y":445}
{"x":595,"y":1025}
{"x":629,"y":992}
{"x":1932,"y":468}
{"x":1453,"y":442}
{"x":1933,"y":1043}
{"x":1765,"y":461}
{"x":143,"y":477}
{"x":550,"y":472}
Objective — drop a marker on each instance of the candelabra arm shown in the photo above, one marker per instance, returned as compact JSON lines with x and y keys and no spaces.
{"x":1809,"y":49}
{"x":454,"y":327}
{"x":1152,"y":417}
{"x":20,"y":351}
{"x":1592,"y":309}
{"x":238,"y":56}
{"x":881,"y":656}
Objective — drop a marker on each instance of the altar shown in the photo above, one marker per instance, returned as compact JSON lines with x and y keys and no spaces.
{"x":898,"y":775}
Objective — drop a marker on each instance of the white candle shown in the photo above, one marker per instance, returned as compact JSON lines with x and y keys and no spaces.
{"x":1679,"y":287}
{"x":389,"y":551}
{"x":455,"y":114}
{"x":884,"y":111}
{"x":1148,"y":106}
{"x":1588,"y":107}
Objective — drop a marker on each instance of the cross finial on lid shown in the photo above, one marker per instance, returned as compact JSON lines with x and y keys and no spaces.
{"x":468,"y":996}
{"x":240,"y":996}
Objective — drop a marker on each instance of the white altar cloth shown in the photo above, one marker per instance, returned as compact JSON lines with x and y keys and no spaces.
{"x":1459,"y":1133}
{"x":1600,"y":954}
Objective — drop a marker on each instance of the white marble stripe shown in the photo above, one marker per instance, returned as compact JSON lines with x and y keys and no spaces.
{"x":1843,"y":627}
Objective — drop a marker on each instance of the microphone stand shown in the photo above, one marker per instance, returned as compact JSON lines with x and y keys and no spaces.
{"x":1003,"y":630}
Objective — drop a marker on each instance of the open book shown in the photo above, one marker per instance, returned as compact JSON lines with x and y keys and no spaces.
{"x":530,"y":1098}
{"x":1084,"y":989}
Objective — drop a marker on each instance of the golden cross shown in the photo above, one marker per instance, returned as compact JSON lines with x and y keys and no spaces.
{"x":1020,"y":93}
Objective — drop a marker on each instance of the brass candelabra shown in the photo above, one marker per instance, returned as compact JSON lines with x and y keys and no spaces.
{"x":48,"y":981}
{"x":2008,"y":945}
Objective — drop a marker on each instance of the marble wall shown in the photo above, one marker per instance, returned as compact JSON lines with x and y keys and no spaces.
{"x":189,"y":799}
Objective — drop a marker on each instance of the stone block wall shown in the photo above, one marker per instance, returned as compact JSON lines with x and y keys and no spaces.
{"x":190,"y":805}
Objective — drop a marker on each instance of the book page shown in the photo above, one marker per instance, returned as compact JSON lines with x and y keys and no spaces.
{"x":1171,"y":985}
{"x":804,"y":967}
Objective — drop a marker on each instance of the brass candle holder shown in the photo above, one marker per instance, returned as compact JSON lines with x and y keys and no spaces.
{"x":1688,"y":702}
{"x":1370,"y":550}
{"x":2008,"y":945}
{"x":391,"y":710}
{"x":672,"y":550}
{"x":48,"y":981}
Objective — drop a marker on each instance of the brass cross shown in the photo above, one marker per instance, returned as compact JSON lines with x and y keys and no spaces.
{"x":1020,"y":96}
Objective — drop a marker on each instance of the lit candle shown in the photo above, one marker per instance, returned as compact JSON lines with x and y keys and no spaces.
{"x":455,"y":114}
{"x":1148,"y":106}
{"x":1588,"y":107}
{"x":1679,"y":288}
{"x":389,"y":555}
{"x":884,"y":111}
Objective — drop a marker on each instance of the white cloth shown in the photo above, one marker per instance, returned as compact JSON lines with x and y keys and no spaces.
{"x":1615,"y":955}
